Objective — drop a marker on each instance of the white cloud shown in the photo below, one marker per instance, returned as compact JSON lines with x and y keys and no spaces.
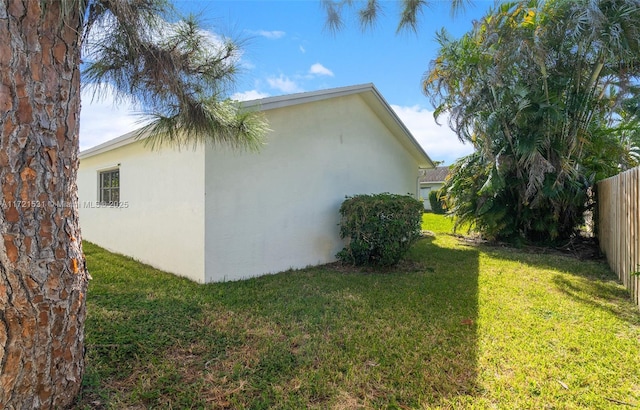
{"x":218,"y":44}
{"x":271,"y":35}
{"x":319,"y":69}
{"x":439,"y":141}
{"x":103,"y":120}
{"x":302,"y":50}
{"x":284,"y":84}
{"x":249,"y":95}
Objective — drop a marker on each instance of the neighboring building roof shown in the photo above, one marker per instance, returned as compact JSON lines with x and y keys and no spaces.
{"x":438,"y":174}
{"x":368,"y":92}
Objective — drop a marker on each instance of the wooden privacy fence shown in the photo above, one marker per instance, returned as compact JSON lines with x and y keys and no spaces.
{"x":619,"y":227}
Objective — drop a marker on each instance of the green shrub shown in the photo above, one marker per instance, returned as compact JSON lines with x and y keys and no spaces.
{"x":435,"y":199}
{"x":380,"y":228}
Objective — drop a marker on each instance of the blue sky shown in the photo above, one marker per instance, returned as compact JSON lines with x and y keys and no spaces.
{"x":286,"y":49}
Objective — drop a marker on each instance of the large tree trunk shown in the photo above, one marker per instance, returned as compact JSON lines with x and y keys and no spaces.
{"x":43,"y":280}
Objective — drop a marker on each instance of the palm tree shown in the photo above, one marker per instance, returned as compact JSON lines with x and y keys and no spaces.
{"x":537,"y":87}
{"x":180,"y":79}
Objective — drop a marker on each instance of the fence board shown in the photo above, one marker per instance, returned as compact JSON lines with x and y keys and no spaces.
{"x":619,"y":227}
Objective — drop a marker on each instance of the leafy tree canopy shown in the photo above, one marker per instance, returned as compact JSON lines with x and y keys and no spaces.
{"x":548,"y":94}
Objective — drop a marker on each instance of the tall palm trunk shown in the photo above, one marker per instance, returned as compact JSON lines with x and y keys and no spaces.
{"x":43,"y":280}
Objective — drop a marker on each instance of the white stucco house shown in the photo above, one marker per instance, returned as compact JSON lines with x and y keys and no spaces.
{"x":217,"y":214}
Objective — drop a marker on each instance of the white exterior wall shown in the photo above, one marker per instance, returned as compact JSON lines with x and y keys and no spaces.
{"x":278,"y":209}
{"x":163,"y":221}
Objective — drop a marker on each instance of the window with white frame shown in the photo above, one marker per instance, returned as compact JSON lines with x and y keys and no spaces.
{"x":109,"y":193}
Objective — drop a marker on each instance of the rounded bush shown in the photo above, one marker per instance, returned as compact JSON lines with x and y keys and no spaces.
{"x":379,"y":228}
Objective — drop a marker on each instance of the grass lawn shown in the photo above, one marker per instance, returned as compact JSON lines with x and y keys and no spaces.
{"x":457,"y":326}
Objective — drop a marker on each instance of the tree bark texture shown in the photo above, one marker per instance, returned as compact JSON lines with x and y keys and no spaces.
{"x":43,"y":280}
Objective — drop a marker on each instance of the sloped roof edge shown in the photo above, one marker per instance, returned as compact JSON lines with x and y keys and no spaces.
{"x":114,"y":143}
{"x":270,"y":103}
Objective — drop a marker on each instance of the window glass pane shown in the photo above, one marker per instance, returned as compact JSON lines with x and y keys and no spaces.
{"x":110,"y":187}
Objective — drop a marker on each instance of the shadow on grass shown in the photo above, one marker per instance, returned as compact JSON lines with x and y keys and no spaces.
{"x":588,"y":282}
{"x":137,"y":317}
{"x":379,"y":338}
{"x":314,"y":338}
{"x":607,"y":296}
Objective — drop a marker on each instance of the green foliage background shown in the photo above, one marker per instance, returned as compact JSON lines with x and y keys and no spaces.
{"x":435,"y":199}
{"x":547,"y":92}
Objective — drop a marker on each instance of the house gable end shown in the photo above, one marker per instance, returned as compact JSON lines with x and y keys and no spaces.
{"x":370,"y":94}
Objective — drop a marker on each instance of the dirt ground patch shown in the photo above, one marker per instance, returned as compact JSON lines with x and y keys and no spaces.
{"x":579,"y":247}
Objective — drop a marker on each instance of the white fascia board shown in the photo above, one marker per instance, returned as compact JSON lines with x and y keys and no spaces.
{"x":271,"y":103}
{"x":112,"y":144}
